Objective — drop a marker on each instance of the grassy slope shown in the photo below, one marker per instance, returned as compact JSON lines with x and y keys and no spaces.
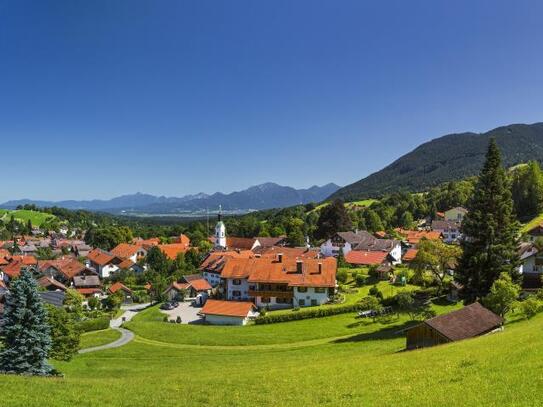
{"x":500,"y":369}
{"x":37,"y":218}
{"x":98,"y":338}
{"x":534,"y":222}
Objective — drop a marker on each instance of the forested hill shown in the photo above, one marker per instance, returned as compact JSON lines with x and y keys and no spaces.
{"x":451,"y":157}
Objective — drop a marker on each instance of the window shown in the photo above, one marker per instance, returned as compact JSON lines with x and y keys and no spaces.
{"x":301,"y":303}
{"x":236,"y":281}
{"x":265,"y":300}
{"x":252,"y":287}
{"x":236,"y":293}
{"x":313,"y":303}
{"x":302,"y":289}
{"x":320,"y":290}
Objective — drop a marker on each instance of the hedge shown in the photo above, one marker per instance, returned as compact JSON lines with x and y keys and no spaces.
{"x":95,"y":324}
{"x":307,"y":314}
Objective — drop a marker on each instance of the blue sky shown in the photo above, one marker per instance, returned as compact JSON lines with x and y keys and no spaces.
{"x":102,"y":98}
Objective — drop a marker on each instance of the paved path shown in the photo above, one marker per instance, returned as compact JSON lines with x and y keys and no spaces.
{"x":126,"y":335}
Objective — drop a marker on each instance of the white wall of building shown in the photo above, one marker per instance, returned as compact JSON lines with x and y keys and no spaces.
{"x":242,"y":287}
{"x":328,"y":249}
{"x":309,"y":298}
{"x":225,"y":320}
{"x":214,"y":279}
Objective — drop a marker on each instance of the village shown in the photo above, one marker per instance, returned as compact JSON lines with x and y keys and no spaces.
{"x":246,"y":280}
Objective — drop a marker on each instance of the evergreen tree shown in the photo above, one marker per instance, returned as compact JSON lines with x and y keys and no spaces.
{"x":490,"y":231}
{"x":25,"y":332}
{"x":333,"y":218}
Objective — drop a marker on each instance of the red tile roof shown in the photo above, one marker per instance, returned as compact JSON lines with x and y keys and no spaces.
{"x":118,"y":286}
{"x":242,"y":243}
{"x":410,"y":255}
{"x":88,"y":291}
{"x":172,"y":250}
{"x":200,"y":284}
{"x":314,"y":272}
{"x":182,"y":239}
{"x":100,"y":257}
{"x":69,"y":266}
{"x":414,"y":236}
{"x":227,"y":308}
{"x":365,"y":258}
{"x":125,"y":264}
{"x":125,"y":250}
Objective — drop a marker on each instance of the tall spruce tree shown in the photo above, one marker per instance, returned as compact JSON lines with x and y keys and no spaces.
{"x":490,"y":231}
{"x":25,"y":333}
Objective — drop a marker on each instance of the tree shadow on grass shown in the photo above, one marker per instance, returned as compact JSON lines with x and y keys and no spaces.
{"x":385,"y":333}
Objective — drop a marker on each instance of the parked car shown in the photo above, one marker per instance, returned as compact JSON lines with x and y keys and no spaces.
{"x":168,"y":306}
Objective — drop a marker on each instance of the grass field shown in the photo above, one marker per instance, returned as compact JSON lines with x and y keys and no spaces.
{"x":500,"y":369}
{"x":37,"y":218}
{"x":98,"y":338}
{"x":364,"y":203}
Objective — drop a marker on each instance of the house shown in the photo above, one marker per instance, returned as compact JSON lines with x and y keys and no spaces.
{"x":88,"y":285}
{"x":181,"y":239}
{"x":129,"y":251}
{"x":63,"y":269}
{"x":285,"y":282}
{"x":103,"y":262}
{"x":119,"y":287}
{"x":28,"y":249}
{"x":450,"y":230}
{"x":16,"y":264}
{"x":361,"y":240}
{"x":54,"y":298}
{"x":194,"y":285}
{"x":212,"y":265}
{"x":366,"y":258}
{"x":531,"y":266}
{"x":468,"y":322}
{"x":81,"y":249}
{"x":217,"y":312}
{"x":129,"y":265}
{"x":455,"y":214}
{"x":50,"y":284}
{"x":535,"y":232}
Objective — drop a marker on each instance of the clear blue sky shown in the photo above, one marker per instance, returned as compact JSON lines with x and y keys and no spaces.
{"x":102,"y":98}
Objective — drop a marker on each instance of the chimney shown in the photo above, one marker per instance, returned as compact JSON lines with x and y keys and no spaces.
{"x":299,"y":266}
{"x":280,"y":257}
{"x":320,"y":267}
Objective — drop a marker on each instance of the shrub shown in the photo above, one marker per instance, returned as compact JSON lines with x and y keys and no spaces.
{"x":360,"y":279}
{"x":376,"y":292}
{"x":307,"y":314}
{"x":530,"y":307}
{"x":178,"y":319}
{"x":368,"y":303}
{"x":95,"y":324}
{"x":341,"y":276}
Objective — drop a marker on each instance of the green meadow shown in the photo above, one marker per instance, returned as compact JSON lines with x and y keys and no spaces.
{"x":37,"y":218}
{"x":333,"y":361}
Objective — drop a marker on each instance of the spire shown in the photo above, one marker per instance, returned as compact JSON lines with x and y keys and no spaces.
{"x":220,"y":213}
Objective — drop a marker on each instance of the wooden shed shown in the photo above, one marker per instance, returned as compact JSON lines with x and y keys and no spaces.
{"x":468,"y":322}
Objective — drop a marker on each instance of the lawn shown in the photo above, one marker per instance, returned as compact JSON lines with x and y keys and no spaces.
{"x":499,"y":369}
{"x":37,"y":218}
{"x":99,"y":338}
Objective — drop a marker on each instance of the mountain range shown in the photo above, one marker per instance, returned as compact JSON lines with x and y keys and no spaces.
{"x":448,"y":158}
{"x":264,"y":196}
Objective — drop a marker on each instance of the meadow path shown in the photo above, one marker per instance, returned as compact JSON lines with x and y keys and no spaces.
{"x":126,"y":335}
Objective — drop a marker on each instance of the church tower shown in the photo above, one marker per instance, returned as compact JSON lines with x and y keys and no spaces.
{"x":220,"y":232}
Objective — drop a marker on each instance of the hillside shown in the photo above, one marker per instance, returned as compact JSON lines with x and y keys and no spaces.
{"x":329,"y":361}
{"x":451,"y":157}
{"x":37,"y":218}
{"x":264,"y":196}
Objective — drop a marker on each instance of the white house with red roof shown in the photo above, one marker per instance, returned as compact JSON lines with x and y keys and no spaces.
{"x":217,"y":312}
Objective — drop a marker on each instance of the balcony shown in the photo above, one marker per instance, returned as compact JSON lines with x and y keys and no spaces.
{"x":267,"y":293}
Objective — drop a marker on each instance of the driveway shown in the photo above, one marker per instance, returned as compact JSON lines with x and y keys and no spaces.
{"x":188,"y":313}
{"x":126,"y":335}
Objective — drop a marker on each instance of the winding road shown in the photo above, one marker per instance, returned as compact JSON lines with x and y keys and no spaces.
{"x":126,"y":335}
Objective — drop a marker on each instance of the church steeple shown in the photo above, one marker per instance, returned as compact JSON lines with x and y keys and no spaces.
{"x":220,"y":232}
